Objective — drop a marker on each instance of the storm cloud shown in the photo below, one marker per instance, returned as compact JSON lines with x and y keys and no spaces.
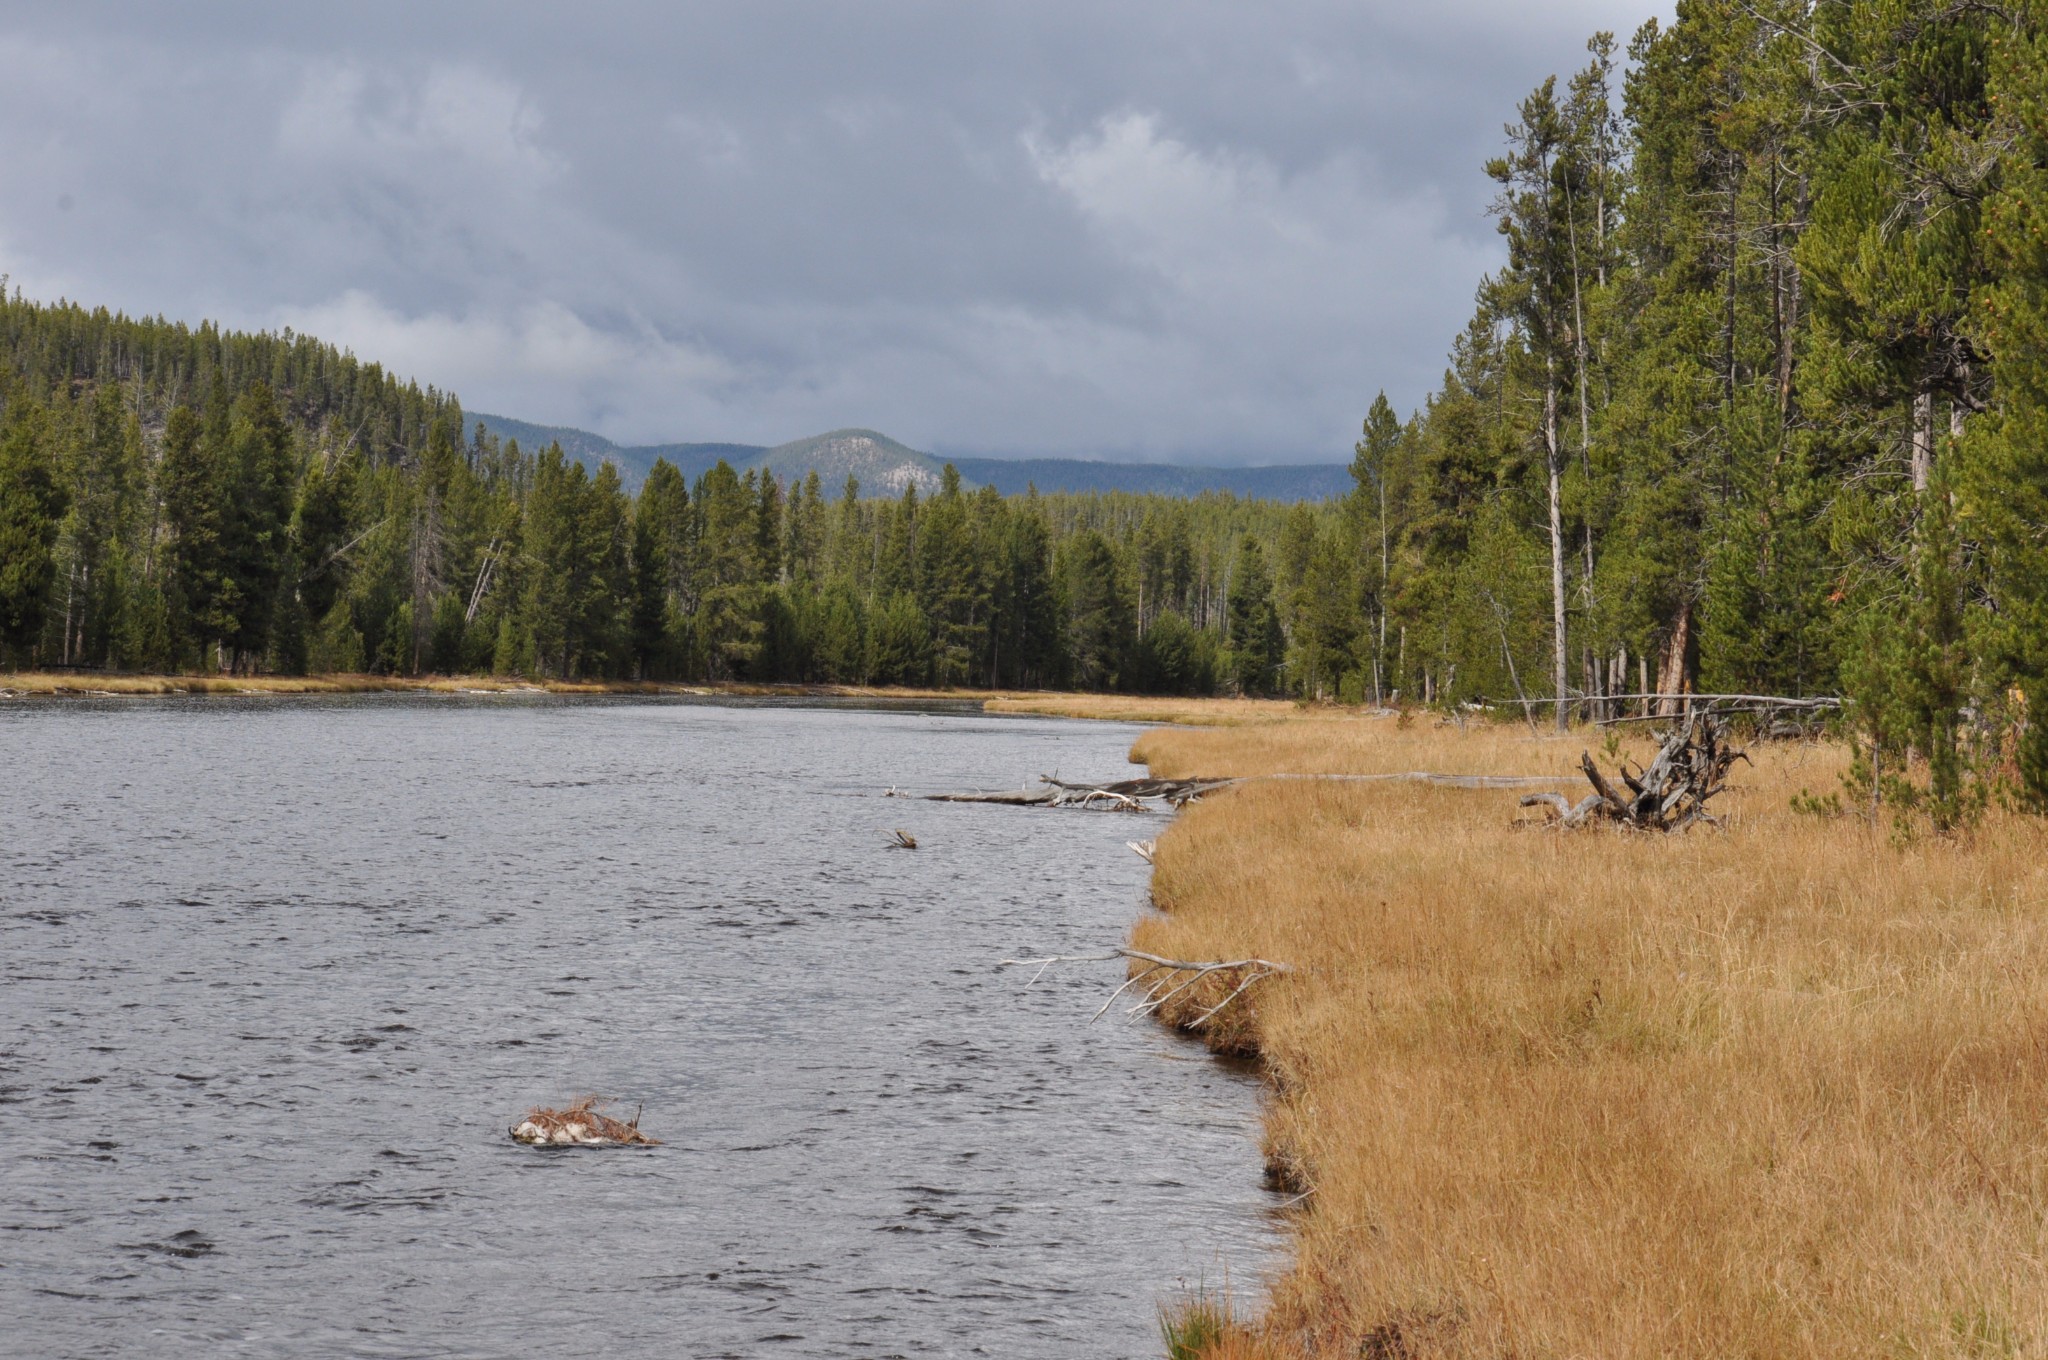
{"x":1159,"y":229}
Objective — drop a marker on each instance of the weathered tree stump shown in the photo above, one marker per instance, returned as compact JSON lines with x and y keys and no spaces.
{"x":1691,"y":767}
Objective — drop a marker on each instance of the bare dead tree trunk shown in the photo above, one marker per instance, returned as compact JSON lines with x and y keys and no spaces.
{"x":1729,"y":300}
{"x":1581,"y":362}
{"x":70,"y":593}
{"x":1672,"y":681}
{"x":1923,"y":440}
{"x":1553,"y":455}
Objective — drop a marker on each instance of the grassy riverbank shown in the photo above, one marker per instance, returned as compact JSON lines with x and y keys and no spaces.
{"x":1778,"y":1089}
{"x":1142,"y":708}
{"x":27,"y":684}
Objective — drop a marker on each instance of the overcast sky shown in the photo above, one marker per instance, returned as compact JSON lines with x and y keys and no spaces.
{"x":1161,"y":229}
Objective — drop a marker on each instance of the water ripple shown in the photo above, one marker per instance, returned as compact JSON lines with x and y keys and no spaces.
{"x":276,"y":976}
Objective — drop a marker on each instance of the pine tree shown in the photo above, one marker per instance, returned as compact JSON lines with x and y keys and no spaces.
{"x":2004,"y":476}
{"x":256,"y":507}
{"x":953,"y":591}
{"x":1372,"y":472}
{"x":661,"y":547}
{"x":1256,"y":645}
{"x":1534,"y":291}
{"x":1100,"y":627}
{"x":31,"y":505}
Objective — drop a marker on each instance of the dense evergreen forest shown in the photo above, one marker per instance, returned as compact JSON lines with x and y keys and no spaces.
{"x":173,"y":498}
{"x":1758,"y":402}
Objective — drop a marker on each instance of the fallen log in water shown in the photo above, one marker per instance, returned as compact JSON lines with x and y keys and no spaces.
{"x":1123,"y":795}
{"x":1012,"y":797}
{"x":1691,"y":767}
{"x":1130,"y":795}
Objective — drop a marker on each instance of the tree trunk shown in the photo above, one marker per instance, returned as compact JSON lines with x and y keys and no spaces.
{"x":1729,"y":313}
{"x":1581,"y":362}
{"x":1923,"y":440}
{"x":1552,"y":452}
{"x":70,"y":593}
{"x":1380,"y":653}
{"x":1672,"y":678}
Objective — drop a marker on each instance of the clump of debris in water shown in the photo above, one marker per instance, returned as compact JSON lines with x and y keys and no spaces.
{"x":580,"y":1125}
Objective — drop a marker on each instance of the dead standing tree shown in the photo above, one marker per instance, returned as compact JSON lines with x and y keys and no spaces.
{"x":1691,"y":767}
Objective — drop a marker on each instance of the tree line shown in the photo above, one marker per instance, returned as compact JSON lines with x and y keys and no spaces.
{"x":175,"y":499}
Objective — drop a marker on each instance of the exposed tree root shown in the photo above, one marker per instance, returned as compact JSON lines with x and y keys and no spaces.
{"x":1691,"y":767}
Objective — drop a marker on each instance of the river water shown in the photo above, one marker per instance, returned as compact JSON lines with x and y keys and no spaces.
{"x":277,"y":974}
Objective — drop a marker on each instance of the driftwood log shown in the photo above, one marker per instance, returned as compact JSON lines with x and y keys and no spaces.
{"x":1691,"y":767}
{"x":1132,"y":795}
{"x":1124,"y":795}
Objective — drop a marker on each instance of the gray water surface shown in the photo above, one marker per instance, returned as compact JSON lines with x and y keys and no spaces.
{"x":276,"y":975}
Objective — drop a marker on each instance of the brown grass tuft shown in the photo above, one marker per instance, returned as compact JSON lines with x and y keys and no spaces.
{"x":1134,"y":708}
{"x":1779,"y":1089}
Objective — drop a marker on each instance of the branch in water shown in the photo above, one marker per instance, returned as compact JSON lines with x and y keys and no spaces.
{"x":1160,"y":990}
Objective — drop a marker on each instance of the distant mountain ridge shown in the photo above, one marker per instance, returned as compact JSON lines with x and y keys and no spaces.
{"x":632,"y":461}
{"x":884,"y":466}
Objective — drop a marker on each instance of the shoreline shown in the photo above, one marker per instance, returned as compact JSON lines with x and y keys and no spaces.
{"x":99,"y":685}
{"x":1079,"y":704}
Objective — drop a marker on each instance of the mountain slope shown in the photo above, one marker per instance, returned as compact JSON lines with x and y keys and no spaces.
{"x":884,"y":466}
{"x":1287,"y":482}
{"x":632,"y":460}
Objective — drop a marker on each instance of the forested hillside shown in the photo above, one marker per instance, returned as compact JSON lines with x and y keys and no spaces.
{"x":173,"y":498}
{"x":1758,"y":402}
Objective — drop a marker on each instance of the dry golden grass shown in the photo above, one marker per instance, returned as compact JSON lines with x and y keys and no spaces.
{"x":1780,"y":1089}
{"x":1133,"y":708}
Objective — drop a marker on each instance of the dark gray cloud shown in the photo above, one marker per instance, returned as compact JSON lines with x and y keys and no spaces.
{"x":1166,"y":228}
